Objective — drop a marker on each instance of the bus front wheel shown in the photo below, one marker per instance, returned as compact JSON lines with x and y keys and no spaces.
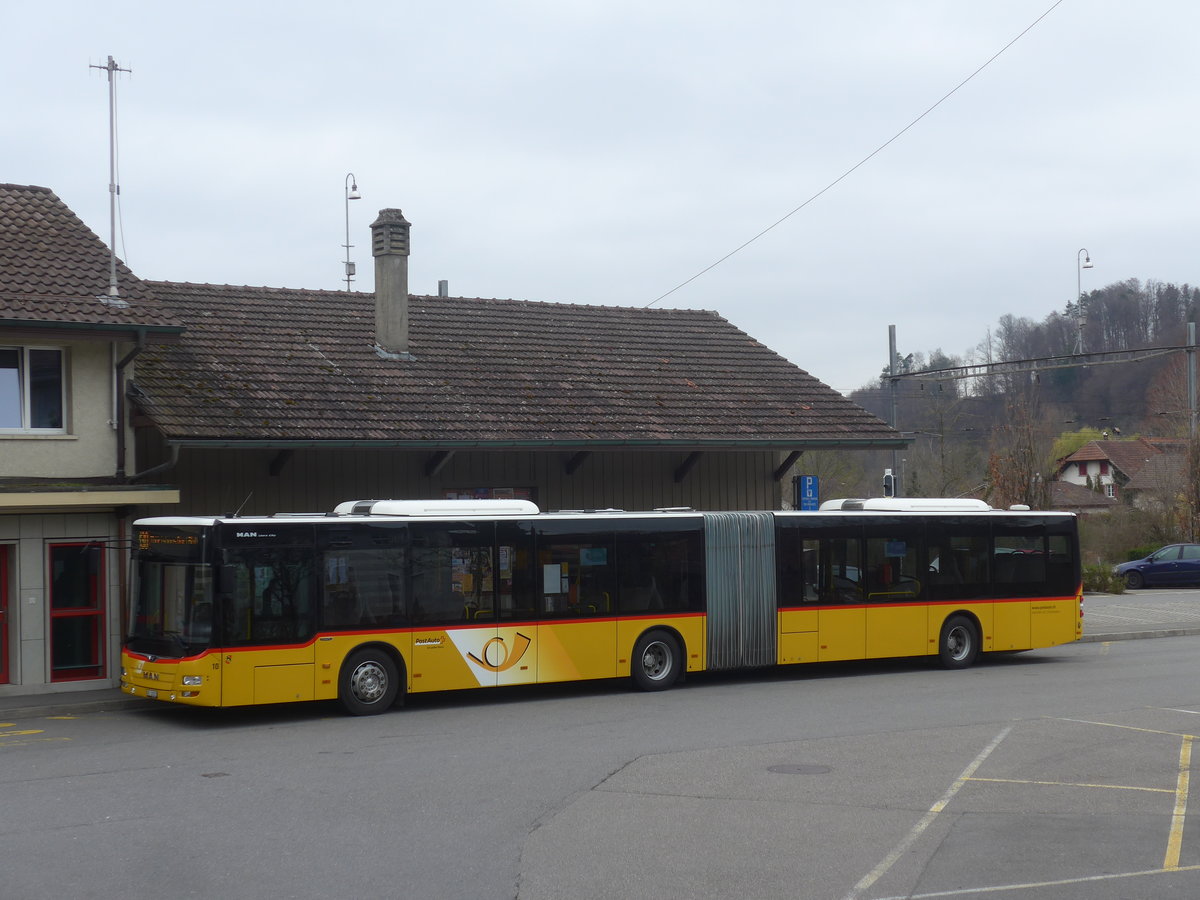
{"x":657,"y":661}
{"x":369,"y":682}
{"x":959,"y":645}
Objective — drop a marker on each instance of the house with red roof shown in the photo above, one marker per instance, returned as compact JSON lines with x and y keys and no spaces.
{"x":1135,"y":471}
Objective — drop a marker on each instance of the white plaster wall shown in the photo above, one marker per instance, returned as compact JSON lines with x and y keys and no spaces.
{"x":89,"y":448}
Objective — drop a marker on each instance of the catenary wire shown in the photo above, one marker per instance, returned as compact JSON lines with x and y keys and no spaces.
{"x":861,"y":162}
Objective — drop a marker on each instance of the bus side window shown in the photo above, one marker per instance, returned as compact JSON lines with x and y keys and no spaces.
{"x":273,"y":598}
{"x":452,"y":572}
{"x":892,"y":564}
{"x":1019,"y":559}
{"x":958,"y":560}
{"x":577,"y":575}
{"x":659,"y":570}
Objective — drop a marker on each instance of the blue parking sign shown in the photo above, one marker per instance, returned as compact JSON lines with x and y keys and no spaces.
{"x":810,"y":492}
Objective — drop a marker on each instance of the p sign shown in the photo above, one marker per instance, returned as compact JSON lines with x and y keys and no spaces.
{"x":808,"y":490}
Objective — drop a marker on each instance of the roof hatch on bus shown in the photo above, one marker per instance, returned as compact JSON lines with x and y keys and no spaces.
{"x":436,"y":508}
{"x":908,"y":504}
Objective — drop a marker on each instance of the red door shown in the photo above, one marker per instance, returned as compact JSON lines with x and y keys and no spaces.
{"x":76,"y":611}
{"x":3,"y":615}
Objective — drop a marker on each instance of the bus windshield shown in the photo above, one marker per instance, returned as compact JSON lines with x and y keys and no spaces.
{"x":172,"y":607}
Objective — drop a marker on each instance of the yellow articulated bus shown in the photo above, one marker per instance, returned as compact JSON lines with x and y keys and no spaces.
{"x":384,"y":598}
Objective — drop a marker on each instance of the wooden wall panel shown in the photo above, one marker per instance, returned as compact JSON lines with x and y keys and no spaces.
{"x":219,"y":481}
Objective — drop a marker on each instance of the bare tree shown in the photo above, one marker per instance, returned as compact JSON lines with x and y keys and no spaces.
{"x":1020,"y":467}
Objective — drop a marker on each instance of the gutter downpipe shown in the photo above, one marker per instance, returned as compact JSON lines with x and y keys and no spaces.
{"x":122,"y":402}
{"x":161,"y":467}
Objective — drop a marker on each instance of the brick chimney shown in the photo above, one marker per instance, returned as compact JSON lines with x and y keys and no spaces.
{"x":389,"y":246}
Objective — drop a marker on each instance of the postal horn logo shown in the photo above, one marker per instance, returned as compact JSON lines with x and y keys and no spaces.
{"x":497,"y":657}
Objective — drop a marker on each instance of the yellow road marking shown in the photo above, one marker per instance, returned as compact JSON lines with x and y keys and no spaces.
{"x":45,"y":740}
{"x":14,"y":733}
{"x":1115,"y":787}
{"x":917,"y":830}
{"x":1175,"y":841}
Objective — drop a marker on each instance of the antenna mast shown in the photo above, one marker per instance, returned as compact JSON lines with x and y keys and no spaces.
{"x":113,"y":188}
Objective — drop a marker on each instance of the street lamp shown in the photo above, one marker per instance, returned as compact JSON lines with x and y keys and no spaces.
{"x":351,"y":194}
{"x":1083,"y":260}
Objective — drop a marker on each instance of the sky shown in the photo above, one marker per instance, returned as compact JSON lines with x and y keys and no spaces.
{"x":606,"y":152}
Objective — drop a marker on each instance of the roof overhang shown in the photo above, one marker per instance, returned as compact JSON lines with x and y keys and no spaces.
{"x":771,"y":444}
{"x":94,"y":331}
{"x":100,"y":497}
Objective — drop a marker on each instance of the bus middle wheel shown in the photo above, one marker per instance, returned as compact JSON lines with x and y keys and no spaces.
{"x":657,"y":661}
{"x":369,"y":682}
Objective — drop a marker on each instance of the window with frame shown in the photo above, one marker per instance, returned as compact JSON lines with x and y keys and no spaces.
{"x":32,"y":381}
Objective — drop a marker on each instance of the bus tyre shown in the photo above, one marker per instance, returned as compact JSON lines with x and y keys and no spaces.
{"x":959,"y":644}
{"x":369,"y":682}
{"x":657,"y":661}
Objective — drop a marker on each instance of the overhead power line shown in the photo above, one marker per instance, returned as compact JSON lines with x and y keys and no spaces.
{"x":862,"y":161}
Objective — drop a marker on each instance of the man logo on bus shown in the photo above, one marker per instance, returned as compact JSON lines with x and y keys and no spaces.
{"x":496,"y":656}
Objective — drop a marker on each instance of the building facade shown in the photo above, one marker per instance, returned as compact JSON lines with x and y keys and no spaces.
{"x":68,"y":346}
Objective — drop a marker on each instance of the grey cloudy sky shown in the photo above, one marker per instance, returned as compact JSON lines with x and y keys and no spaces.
{"x":604,"y":152}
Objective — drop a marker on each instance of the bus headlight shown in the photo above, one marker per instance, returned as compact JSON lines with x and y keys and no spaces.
{"x":193,"y":679}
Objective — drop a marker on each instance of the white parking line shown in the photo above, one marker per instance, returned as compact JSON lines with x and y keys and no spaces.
{"x":917,"y":830}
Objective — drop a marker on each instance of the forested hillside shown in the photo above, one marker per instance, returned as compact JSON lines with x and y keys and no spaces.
{"x":975,"y":434}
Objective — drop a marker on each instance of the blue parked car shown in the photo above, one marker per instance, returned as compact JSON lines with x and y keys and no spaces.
{"x":1173,"y":564}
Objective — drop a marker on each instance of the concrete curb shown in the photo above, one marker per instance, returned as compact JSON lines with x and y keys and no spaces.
{"x":1134,"y":635}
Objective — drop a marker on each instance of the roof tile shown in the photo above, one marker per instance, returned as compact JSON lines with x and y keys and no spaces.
{"x":270,"y":364}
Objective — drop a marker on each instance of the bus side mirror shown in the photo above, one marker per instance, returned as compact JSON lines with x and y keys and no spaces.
{"x":226,"y":578}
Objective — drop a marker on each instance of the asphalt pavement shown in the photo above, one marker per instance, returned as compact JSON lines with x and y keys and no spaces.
{"x":1146,"y":613}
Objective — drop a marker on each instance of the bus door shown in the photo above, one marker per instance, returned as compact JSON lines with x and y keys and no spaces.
{"x":895,"y":588}
{"x":461,"y":583}
{"x":512,"y":651}
{"x":574,"y":581}
{"x":268,"y":619}
{"x":842,"y":618}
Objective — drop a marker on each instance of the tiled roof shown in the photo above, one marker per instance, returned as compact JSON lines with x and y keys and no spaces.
{"x":267,"y":364}
{"x":1067,"y":496}
{"x":53,"y":269}
{"x":1163,"y":474}
{"x":1127,"y":456}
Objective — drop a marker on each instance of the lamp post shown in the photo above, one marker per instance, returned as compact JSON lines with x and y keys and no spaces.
{"x":1083,"y":260}
{"x":351,"y":194}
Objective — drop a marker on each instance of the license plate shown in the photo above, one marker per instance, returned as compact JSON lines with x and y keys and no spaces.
{"x":153,"y":695}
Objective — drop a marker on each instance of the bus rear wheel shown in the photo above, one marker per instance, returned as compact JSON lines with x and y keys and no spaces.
{"x":369,"y":682}
{"x":657,"y":661}
{"x":959,"y":644}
